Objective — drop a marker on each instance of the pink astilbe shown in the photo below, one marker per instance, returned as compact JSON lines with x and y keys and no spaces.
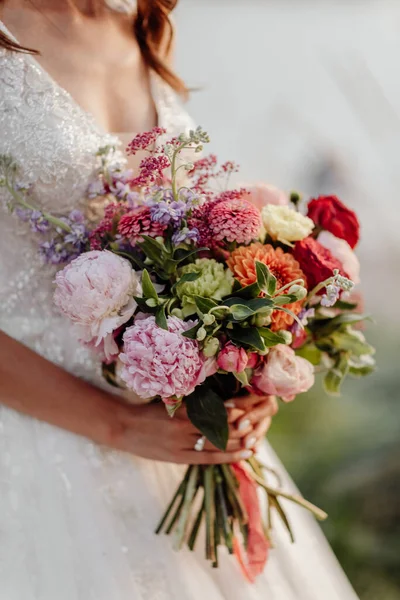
{"x":143,"y":141}
{"x":151,"y":171}
{"x":136,"y":223}
{"x":203,"y":170}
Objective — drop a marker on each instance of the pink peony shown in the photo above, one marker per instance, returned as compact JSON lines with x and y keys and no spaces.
{"x":283,"y":374}
{"x":261,"y":194}
{"x":162,"y":363}
{"x":233,"y":220}
{"x":95,"y":291}
{"x":232,"y":359}
{"x":342,"y":251}
{"x":137,"y":223}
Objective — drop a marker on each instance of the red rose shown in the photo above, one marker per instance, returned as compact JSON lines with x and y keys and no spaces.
{"x":316,"y":262}
{"x":329,"y":213}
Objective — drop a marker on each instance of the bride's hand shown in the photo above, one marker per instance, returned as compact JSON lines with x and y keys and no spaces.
{"x":149,"y":432}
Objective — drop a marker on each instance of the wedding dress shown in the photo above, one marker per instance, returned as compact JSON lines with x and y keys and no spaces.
{"x":77,"y":520}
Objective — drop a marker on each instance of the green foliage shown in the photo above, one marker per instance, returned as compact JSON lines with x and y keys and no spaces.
{"x":206,"y":410}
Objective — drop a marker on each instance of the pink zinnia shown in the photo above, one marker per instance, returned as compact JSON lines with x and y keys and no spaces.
{"x":137,"y":223}
{"x":235,"y":220}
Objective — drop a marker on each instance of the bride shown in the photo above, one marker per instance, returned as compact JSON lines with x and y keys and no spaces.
{"x":84,"y":477}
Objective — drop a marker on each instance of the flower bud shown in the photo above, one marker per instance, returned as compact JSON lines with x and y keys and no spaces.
{"x":151,"y":302}
{"x":211,"y":347}
{"x":209,"y":319}
{"x":176,"y":312}
{"x":287,"y":336}
{"x":261,"y":320}
{"x":299,"y":291}
{"x":201,"y":334}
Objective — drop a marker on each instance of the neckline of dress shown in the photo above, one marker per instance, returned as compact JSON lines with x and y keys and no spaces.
{"x":154,"y":91}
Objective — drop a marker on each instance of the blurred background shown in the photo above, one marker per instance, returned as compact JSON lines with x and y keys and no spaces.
{"x":305,"y":94}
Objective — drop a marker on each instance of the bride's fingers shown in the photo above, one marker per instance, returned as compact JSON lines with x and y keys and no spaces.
{"x":259,"y":412}
{"x":247,"y":402}
{"x":213,"y":457}
{"x":257,"y":434}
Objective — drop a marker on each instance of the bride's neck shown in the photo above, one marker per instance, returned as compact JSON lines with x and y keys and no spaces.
{"x":84,"y":7}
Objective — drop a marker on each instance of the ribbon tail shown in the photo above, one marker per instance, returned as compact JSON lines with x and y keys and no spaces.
{"x":254,"y":558}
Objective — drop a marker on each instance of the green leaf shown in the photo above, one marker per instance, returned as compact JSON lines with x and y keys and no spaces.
{"x":248,"y":336}
{"x":351,"y":341}
{"x":331,"y":325}
{"x":204,"y":304}
{"x":184,"y":279}
{"x":361,"y":366}
{"x":340,"y":304}
{"x":242,"y":377}
{"x":141,"y":302}
{"x":249,"y":291}
{"x":265,"y":279}
{"x":241,"y":312}
{"x":181,"y":255}
{"x":153,"y":249}
{"x":291,"y":313}
{"x":284,"y":299}
{"x":271,"y":338}
{"x":149,"y":290}
{"x":334,"y":378}
{"x":311,"y":353}
{"x":191,"y":333}
{"x":206,"y":410}
{"x":161,"y":318}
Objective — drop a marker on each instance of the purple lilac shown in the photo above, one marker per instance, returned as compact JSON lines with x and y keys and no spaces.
{"x":303,"y":316}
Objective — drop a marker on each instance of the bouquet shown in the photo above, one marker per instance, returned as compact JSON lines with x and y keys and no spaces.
{"x":193,"y":293}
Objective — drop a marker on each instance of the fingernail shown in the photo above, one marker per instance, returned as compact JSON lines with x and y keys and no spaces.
{"x":251,"y":442}
{"x":245,"y":424}
{"x":246,"y":454}
{"x":230,"y":404}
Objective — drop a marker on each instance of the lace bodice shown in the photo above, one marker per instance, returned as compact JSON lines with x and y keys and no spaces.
{"x":54,"y":141}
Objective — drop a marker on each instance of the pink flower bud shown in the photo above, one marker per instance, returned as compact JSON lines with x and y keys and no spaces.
{"x":232,"y":359}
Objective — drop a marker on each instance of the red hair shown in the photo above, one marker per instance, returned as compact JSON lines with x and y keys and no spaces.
{"x":154,"y":32}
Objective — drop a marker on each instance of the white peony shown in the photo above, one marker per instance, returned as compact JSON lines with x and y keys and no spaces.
{"x":95,"y":291}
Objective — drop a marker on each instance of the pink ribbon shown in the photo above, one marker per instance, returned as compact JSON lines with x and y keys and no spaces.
{"x":252,"y":560}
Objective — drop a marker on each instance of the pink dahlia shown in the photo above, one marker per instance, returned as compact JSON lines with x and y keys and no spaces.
{"x":95,"y":291}
{"x":137,"y":223}
{"x":234,"y":220}
{"x":159,"y":362}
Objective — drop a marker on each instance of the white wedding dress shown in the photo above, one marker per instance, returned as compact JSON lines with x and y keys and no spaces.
{"x":77,"y":520}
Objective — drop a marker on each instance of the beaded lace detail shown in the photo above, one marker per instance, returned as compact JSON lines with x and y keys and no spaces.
{"x":54,"y":141}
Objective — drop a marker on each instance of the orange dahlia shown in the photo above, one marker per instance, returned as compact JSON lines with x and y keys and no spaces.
{"x":242,"y":263}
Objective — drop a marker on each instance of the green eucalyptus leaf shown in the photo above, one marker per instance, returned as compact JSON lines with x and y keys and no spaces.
{"x":148,"y":288}
{"x":206,"y":410}
{"x":248,"y":336}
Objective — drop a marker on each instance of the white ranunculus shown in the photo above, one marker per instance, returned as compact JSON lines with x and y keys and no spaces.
{"x":284,"y":224}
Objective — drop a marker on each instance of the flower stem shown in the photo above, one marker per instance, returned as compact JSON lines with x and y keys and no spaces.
{"x":317,"y":512}
{"x":208,"y":475}
{"x":190,"y":492}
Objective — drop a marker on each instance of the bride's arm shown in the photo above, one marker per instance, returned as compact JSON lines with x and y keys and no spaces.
{"x":34,"y":386}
